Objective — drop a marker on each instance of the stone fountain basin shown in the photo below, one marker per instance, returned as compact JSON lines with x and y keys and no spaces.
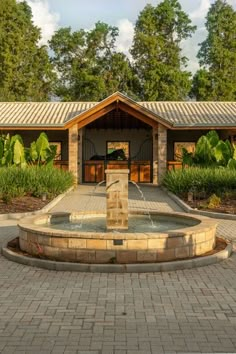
{"x":109,"y":247}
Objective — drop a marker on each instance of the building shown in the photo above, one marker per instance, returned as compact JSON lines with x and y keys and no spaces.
{"x":150,"y":134}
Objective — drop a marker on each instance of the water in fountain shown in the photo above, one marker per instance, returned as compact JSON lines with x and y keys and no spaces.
{"x":147,"y":212}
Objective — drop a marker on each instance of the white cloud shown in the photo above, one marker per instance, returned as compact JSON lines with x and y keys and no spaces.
{"x":44,"y":19}
{"x":201,"y":10}
{"x":232,"y":2}
{"x":126,"y":33}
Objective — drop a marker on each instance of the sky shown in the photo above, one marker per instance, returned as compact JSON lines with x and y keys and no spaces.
{"x":50,"y":15}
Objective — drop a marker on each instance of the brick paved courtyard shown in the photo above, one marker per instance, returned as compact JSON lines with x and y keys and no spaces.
{"x":190,"y":311}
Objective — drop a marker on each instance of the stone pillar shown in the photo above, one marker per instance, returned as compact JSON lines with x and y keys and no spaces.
{"x":117,"y":198}
{"x":162,"y":152}
{"x":73,"y":151}
{"x":155,"y":156}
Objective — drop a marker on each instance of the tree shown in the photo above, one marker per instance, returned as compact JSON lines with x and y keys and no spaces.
{"x":88,"y":66}
{"x":216,"y":79}
{"x":25,"y":69}
{"x":156,"y":51}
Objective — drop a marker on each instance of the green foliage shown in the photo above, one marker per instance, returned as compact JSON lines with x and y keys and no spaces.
{"x":12,"y":151}
{"x":25,"y":69}
{"x":213,"y":201}
{"x":210,"y":151}
{"x":216,"y":79}
{"x":33,"y":180}
{"x":210,"y":180}
{"x":157,"y":52}
{"x":88,"y":66}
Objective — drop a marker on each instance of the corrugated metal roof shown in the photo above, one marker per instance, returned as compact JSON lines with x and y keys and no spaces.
{"x":195,"y":113}
{"x":40,"y":113}
{"x":57,"y":114}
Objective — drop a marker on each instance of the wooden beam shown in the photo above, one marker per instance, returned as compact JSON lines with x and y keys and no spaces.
{"x":137,"y":114}
{"x":95,"y":115}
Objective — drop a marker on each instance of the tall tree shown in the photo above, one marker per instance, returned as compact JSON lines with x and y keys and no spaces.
{"x":216,"y":79}
{"x":88,"y":66}
{"x":25,"y":69}
{"x":156,"y":51}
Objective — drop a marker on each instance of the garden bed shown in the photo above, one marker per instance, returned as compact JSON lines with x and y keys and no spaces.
{"x":226,"y":206}
{"x":22,"y":205}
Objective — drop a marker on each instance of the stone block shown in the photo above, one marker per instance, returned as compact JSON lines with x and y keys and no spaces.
{"x":85,"y":256}
{"x":67,"y":254}
{"x":105,"y":256}
{"x":126,"y":256}
{"x":137,"y":244}
{"x":200,"y":237}
{"x":31,"y":237}
{"x":182,"y":252}
{"x":77,"y":243}
{"x":202,"y":248}
{"x":173,"y":242}
{"x":44,"y":240}
{"x":146,"y":256}
{"x":165,"y":255}
{"x":60,"y":242}
{"x":96,"y":244}
{"x":157,"y":243}
{"x":51,"y":252}
{"x":189,"y":239}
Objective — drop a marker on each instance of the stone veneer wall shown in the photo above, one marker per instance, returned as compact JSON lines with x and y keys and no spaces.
{"x":86,"y":247}
{"x":73,"y":151}
{"x":162,"y":152}
{"x":117,"y":198}
{"x":155,"y":155}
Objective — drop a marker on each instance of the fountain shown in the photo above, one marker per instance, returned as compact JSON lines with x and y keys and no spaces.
{"x":115,"y":236}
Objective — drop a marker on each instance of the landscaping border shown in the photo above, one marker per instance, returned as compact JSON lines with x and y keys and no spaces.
{"x":17,"y":216}
{"x":190,"y":210}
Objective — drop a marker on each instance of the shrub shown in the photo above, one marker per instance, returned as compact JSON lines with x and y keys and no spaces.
{"x":33,"y":180}
{"x":213,"y":201}
{"x":197,"y":180}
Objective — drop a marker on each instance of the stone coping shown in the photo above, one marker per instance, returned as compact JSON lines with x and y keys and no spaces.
{"x":190,"y":210}
{"x":49,"y":206}
{"x":35,"y":224}
{"x":118,"y":268}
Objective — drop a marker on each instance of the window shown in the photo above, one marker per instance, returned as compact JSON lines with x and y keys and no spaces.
{"x":113,"y":146}
{"x":58,"y":145}
{"x":189,"y":146}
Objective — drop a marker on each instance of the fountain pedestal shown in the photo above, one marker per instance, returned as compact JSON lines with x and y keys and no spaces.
{"x":117,"y":199}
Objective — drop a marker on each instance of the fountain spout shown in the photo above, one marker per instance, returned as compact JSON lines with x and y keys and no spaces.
{"x":117,"y":199}
{"x":111,"y":184}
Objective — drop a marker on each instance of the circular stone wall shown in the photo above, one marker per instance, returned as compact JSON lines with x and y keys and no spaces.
{"x":108,"y":247}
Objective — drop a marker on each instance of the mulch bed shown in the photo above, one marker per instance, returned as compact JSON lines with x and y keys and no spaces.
{"x":227,"y":206}
{"x":22,"y":205}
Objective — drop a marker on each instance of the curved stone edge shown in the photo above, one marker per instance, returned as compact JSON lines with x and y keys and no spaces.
{"x":50,"y":205}
{"x":190,"y":210}
{"x":118,"y":268}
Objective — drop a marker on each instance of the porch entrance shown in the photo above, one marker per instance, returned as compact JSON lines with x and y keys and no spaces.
{"x":117,"y":141}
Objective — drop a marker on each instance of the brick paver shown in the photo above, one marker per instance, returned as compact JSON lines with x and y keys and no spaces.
{"x":185,"y":311}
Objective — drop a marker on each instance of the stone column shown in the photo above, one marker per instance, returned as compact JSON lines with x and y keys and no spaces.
{"x":155,"y":156}
{"x":162,"y":152}
{"x":73,"y":151}
{"x":117,"y":198}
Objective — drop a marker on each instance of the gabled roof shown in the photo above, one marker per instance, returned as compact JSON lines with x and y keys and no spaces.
{"x":61,"y":115}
